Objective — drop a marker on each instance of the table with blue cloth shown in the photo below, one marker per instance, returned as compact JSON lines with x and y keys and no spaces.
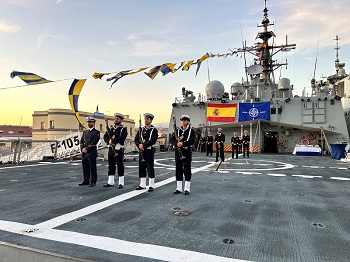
{"x":307,"y":151}
{"x":338,"y":150}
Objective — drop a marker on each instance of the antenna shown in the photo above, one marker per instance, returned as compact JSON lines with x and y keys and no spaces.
{"x":208,"y":71}
{"x":245,"y":60}
{"x":318,"y":42}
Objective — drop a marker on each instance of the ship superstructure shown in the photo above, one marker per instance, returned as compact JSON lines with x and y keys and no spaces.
{"x":310,"y":120}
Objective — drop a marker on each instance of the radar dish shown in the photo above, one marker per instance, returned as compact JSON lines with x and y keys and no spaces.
{"x":254,"y":69}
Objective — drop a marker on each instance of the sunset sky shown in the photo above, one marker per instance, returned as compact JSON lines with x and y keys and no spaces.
{"x":63,"y":40}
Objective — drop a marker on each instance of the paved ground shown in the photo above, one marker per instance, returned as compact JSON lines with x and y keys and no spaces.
{"x":265,"y":208}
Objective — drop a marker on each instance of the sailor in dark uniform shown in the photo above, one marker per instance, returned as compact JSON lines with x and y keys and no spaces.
{"x":246,"y":141}
{"x":145,"y":140}
{"x":210,"y":141}
{"x":183,"y":153}
{"x":219,"y":142}
{"x":116,"y":140}
{"x":240,"y":143}
{"x":202,"y":141}
{"x":88,"y":143}
{"x":234,"y":143}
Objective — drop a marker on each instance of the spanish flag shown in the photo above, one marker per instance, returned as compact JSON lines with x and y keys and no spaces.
{"x":221,"y":112}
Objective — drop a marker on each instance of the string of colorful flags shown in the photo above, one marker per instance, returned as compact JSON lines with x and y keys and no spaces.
{"x":166,"y":68}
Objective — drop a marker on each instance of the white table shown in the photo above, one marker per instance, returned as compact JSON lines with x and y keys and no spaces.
{"x":307,"y":151}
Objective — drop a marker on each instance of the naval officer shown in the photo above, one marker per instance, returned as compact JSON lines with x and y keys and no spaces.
{"x":219,"y":141}
{"x":246,"y":141}
{"x":183,"y":140}
{"x":116,"y":140}
{"x":88,"y":148}
{"x":234,"y":143}
{"x":202,"y":143}
{"x":145,"y":140}
{"x":210,"y":141}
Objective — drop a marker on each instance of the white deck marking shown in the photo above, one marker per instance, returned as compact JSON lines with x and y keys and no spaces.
{"x":39,"y":164}
{"x":305,"y":176}
{"x":314,"y":166}
{"x":248,"y":173}
{"x":114,"y":245}
{"x":339,"y":178}
{"x":275,"y":174}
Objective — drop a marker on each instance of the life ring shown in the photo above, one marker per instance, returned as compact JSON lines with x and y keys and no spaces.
{"x":305,"y":140}
{"x":311,"y":136}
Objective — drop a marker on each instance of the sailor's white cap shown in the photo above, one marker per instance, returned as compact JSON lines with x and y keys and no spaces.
{"x":149,"y":115}
{"x":121,"y":116}
{"x":185,"y":117}
{"x":90,"y":119}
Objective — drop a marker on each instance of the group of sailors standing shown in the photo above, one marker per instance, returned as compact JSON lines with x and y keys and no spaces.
{"x":238,"y":144}
{"x":145,"y":139}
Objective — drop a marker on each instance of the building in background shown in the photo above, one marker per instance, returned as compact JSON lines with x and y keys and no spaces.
{"x":13,"y":132}
{"x":53,"y":123}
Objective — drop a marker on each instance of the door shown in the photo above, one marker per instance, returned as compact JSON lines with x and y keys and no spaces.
{"x":270,"y":142}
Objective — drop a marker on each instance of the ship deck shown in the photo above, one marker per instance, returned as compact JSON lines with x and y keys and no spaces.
{"x":267,"y":207}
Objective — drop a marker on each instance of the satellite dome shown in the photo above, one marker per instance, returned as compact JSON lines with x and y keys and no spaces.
{"x":236,"y":88}
{"x":214,"y":90}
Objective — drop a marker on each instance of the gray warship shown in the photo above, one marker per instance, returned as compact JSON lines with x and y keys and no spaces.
{"x":317,"y":119}
{"x":266,"y":208}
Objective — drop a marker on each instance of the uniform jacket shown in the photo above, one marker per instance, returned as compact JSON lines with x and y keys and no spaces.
{"x":119,"y":135}
{"x":148,"y":137}
{"x":235,"y":140}
{"x":220,"y":138}
{"x":246,"y":139}
{"x":187,"y":136}
{"x":89,"y":141}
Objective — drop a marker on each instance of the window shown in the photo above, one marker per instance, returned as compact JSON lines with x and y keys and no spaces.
{"x":52,"y":124}
{"x":101,"y":127}
{"x":1,"y":131}
{"x":130,"y":131}
{"x":42,"y":125}
{"x":20,"y":132}
{"x":10,"y":132}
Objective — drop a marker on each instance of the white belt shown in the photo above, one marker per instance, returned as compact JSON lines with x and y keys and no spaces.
{"x":118,"y":146}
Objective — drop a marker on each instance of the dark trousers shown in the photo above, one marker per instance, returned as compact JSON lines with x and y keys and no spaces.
{"x":112,"y":160}
{"x":245,"y":148}
{"x":202,"y":148}
{"x":183,"y":167}
{"x":89,"y":169}
{"x":234,"y":149}
{"x":147,"y":166}
{"x":210,"y":149}
{"x":221,"y":152}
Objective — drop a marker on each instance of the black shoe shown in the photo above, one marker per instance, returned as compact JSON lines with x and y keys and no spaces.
{"x":107,"y":185}
{"x":187,"y":192}
{"x":83,"y":184}
{"x":140,"y":188}
{"x":150,"y":189}
{"x":177,"y":192}
{"x":120,"y":186}
{"x":92,"y":185}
